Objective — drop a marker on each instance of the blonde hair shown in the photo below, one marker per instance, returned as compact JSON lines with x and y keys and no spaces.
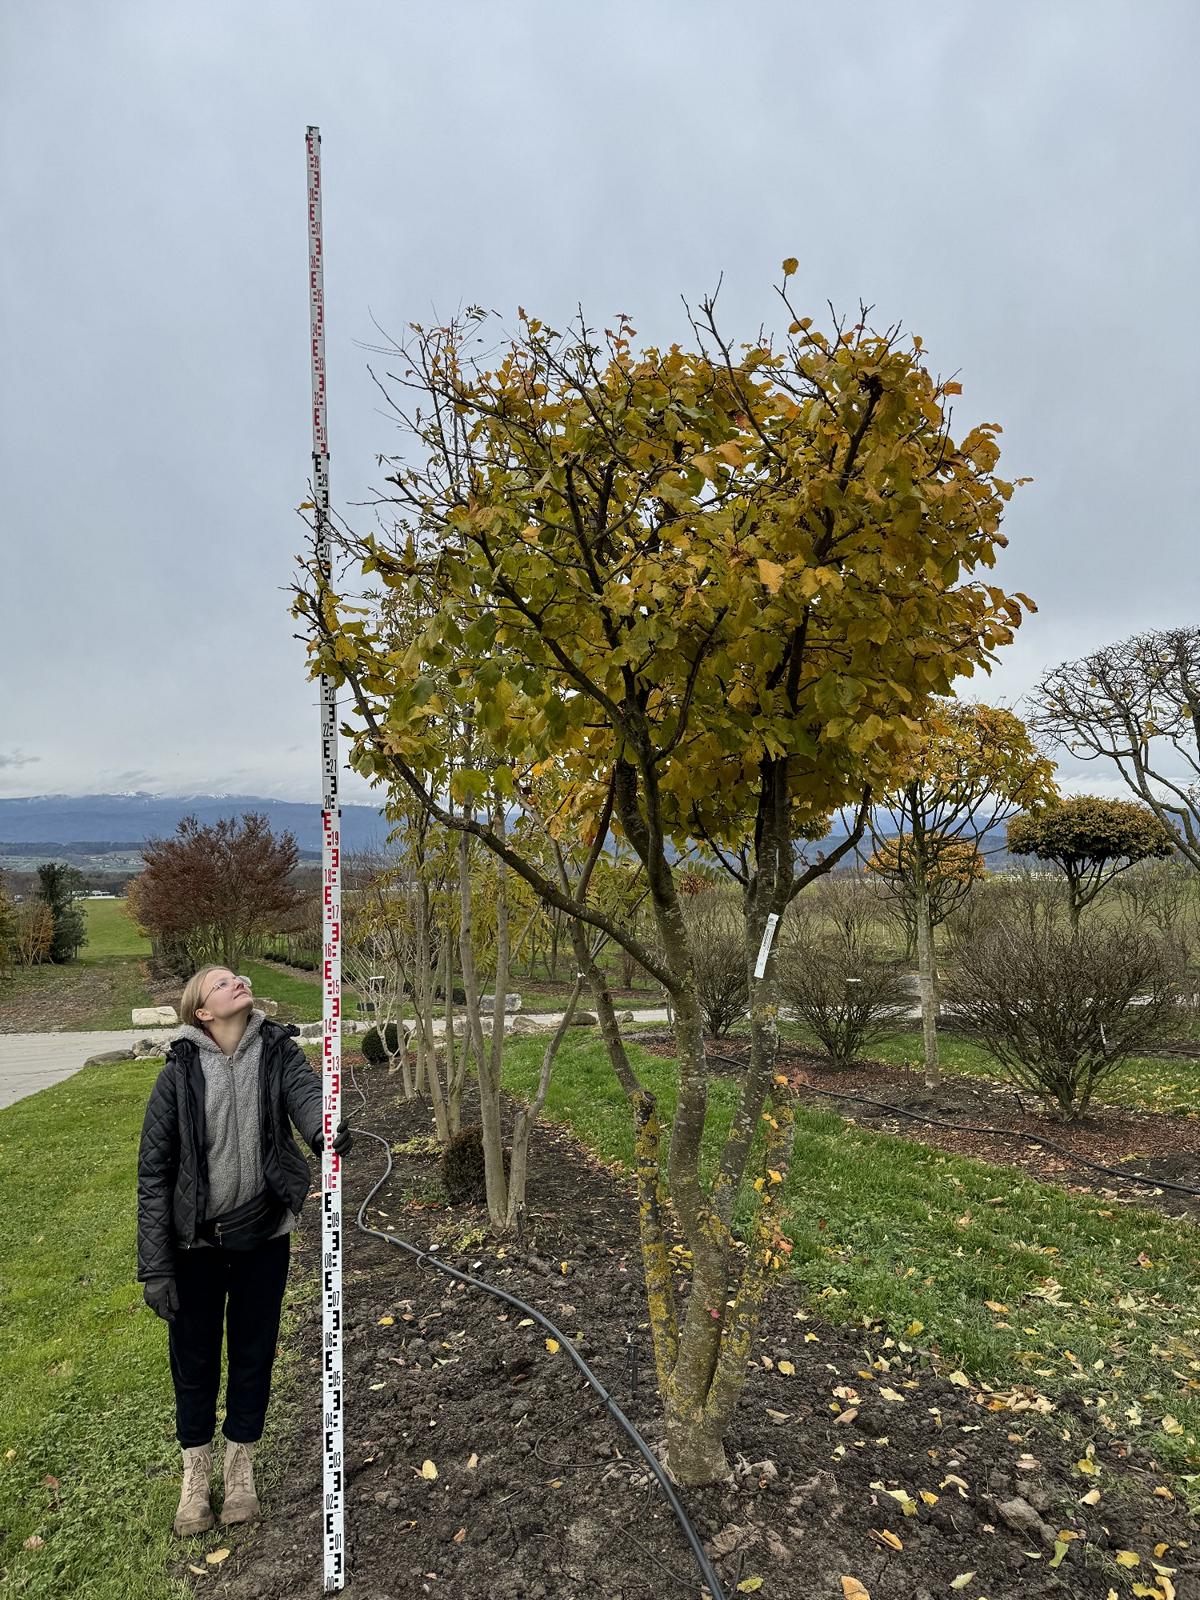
{"x":193,"y":990}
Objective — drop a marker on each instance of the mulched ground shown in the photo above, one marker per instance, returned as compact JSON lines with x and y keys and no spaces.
{"x":1152,"y":1144}
{"x":539,"y":1496}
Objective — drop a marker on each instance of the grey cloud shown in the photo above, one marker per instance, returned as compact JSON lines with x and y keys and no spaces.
{"x":16,"y":758}
{"x":1016,"y":185}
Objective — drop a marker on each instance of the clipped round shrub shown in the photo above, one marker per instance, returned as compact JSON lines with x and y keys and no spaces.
{"x":462,"y":1166}
{"x":379,"y":1050}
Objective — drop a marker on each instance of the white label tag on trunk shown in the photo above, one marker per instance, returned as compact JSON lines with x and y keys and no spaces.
{"x":764,"y":949}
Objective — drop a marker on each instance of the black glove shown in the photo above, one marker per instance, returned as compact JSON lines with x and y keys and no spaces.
{"x":161,"y":1295}
{"x":342,"y":1140}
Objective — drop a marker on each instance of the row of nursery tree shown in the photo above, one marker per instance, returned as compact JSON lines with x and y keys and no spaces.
{"x":644,"y":608}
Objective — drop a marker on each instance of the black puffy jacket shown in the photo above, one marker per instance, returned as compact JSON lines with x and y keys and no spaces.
{"x":173,"y":1166}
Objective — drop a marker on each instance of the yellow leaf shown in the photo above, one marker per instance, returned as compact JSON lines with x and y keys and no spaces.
{"x":775,"y":1177}
{"x":386,"y":1322}
{"x":789,"y":266}
{"x":306,"y":505}
{"x":887,"y":1537}
{"x":1060,"y":1549}
{"x":960,"y":1380}
{"x":997,"y":1306}
{"x":1090,"y":1467}
{"x":952,"y":388}
{"x":1091,"y":1498}
{"x":787,"y":1368}
{"x":962,"y":1580}
{"x":1171,"y":1424}
{"x":199,"y":1571}
{"x":770,"y":574}
{"x":553,"y":1346}
{"x":913,"y":1329}
{"x":929,"y":1498}
{"x":472,"y":1462}
{"x":215,"y":1557}
{"x":853,"y":1590}
{"x":1127,"y":1558}
{"x":428,"y":1470}
{"x":750,"y":1585}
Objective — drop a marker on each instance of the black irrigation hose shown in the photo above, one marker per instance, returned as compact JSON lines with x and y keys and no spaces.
{"x":425,"y":1258}
{"x":999,"y":1133}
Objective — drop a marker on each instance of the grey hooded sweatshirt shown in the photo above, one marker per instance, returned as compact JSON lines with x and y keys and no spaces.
{"x":231,"y":1122}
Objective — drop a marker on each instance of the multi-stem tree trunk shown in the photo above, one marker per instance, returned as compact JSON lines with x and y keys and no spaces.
{"x":701,"y":1356}
{"x":926,"y":966}
{"x":427,"y":1065}
{"x":527,"y":1117}
{"x":490,"y":1064}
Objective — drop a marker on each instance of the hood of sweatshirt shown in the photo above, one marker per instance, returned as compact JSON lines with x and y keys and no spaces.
{"x":209,"y":1048}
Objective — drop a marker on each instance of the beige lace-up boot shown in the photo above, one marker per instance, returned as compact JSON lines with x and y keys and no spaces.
{"x":241,"y":1502}
{"x":195,"y":1514}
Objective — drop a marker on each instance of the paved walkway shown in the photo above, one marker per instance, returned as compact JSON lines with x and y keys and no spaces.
{"x":33,"y":1061}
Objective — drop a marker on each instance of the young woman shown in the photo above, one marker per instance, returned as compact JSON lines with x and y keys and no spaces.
{"x":220,"y":1185}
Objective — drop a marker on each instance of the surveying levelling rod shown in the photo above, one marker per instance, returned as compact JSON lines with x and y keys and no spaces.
{"x":331,"y":967}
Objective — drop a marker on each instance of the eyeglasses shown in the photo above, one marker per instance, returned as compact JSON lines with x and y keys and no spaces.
{"x":223,"y":983}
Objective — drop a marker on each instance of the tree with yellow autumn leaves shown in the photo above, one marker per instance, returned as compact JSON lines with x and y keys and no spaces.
{"x":691,"y":593}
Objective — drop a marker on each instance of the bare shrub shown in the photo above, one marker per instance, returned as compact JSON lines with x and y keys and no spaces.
{"x":717,"y":939}
{"x":1062,"y":1009}
{"x":842,"y":989}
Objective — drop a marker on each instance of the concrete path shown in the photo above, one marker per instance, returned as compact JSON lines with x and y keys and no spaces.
{"x":33,"y":1061}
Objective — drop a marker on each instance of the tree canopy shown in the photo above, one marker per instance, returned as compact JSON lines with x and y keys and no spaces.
{"x":1136,"y":704}
{"x":1091,"y":840}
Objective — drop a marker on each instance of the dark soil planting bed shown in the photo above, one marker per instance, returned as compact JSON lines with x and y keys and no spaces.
{"x":854,"y":1458}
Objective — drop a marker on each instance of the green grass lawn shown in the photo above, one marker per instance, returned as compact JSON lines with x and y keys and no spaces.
{"x":1101,"y":1303}
{"x":1144,"y":1083}
{"x":85,"y":1389}
{"x":112,"y":932}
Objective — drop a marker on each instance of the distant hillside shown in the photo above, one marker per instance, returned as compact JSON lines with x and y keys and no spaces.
{"x":99,"y":823}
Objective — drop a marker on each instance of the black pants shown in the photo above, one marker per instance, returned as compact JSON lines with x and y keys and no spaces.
{"x":238,"y":1292}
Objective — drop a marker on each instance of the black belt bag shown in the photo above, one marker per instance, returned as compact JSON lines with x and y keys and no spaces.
{"x":246,"y":1226}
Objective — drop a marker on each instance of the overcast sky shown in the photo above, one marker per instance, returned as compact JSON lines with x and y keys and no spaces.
{"x":1017,"y":183}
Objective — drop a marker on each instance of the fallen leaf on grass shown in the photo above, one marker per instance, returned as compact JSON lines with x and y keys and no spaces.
{"x":960,"y":1380}
{"x":34,"y":1542}
{"x":1171,"y":1424}
{"x":199,"y":1572}
{"x":215,"y":1557}
{"x":428,"y":1470}
{"x":1127,"y":1558}
{"x":853,"y":1590}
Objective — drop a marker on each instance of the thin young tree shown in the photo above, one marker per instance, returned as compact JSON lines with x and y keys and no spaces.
{"x":975,"y":766}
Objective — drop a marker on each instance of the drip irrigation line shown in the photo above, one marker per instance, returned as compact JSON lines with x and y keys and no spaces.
{"x":998,"y":1133}
{"x":429,"y":1259}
